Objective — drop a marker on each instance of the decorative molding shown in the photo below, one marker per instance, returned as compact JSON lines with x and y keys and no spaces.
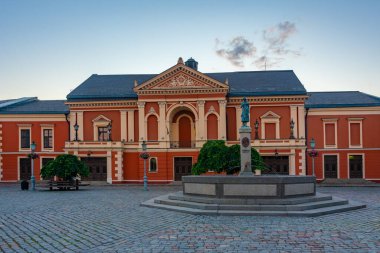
{"x":102,"y":104}
{"x":152,"y":111}
{"x":222,"y":102}
{"x":211,"y":109}
{"x":140,"y":104}
{"x":201,"y":102}
{"x":270,"y":115}
{"x":101,"y":118}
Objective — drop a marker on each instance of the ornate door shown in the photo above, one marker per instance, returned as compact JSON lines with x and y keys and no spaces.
{"x":25,"y":168}
{"x":97,"y":167}
{"x":356,"y":166}
{"x":184,"y":135}
{"x":331,"y":166}
{"x":182,"y":167}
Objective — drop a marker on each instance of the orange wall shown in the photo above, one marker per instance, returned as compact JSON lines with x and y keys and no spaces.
{"x":88,"y":131}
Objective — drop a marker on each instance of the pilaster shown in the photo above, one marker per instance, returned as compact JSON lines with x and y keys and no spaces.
{"x":292,"y":162}
{"x":293,"y":116}
{"x":301,"y":122}
{"x":163,"y":137}
{"x":222,"y":120}
{"x":131,"y":125}
{"x":238,"y":121}
{"x":141,"y":106}
{"x":123,"y":125}
{"x":201,"y":123}
{"x":76,"y":116}
{"x":119,"y":165}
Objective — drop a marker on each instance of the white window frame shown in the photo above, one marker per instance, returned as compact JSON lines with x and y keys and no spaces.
{"x":100,"y":121}
{"x":355,"y":121}
{"x":337,"y":164}
{"x":24,"y":127}
{"x":330,"y":121}
{"x":47,"y":127}
{"x":150,"y":158}
{"x":270,"y":117}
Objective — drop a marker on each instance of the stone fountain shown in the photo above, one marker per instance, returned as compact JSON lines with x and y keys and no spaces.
{"x":246,"y":194}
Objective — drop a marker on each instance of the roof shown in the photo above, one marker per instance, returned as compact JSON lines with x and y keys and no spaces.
{"x":32,"y":105}
{"x":250,"y":83}
{"x":340,"y":99}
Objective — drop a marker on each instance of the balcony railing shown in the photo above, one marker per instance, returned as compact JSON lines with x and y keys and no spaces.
{"x":182,"y":144}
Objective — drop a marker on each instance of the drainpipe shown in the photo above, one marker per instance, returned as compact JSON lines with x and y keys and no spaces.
{"x":306,"y":139}
{"x":68,"y":123}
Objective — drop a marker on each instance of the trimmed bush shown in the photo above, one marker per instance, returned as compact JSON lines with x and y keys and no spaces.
{"x":65,"y":167}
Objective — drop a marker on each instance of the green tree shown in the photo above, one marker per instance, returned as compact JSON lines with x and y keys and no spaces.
{"x":212,"y":156}
{"x":65,"y":167}
{"x":216,"y":156}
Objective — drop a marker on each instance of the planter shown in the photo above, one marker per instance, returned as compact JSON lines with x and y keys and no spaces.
{"x":257,"y":172}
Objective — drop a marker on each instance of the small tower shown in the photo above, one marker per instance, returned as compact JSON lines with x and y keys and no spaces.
{"x":191,"y":63}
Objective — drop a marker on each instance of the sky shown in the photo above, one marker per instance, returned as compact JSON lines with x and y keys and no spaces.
{"x":49,"y":47}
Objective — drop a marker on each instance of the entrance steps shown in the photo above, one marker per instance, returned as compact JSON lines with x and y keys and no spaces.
{"x":309,"y":206}
{"x":347,"y":182}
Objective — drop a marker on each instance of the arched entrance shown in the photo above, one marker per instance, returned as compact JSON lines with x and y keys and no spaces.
{"x":182,"y":128}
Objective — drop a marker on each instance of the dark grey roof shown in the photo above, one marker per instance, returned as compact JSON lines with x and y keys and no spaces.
{"x":5,"y":101}
{"x":108,"y":87}
{"x":35,"y":106}
{"x":250,"y":83}
{"x":340,"y":99}
{"x":261,"y":83}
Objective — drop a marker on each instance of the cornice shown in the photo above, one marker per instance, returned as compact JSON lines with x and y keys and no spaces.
{"x":269,"y":99}
{"x":102,"y":104}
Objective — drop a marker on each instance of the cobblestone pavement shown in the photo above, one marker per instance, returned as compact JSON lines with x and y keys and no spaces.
{"x":109,"y":219}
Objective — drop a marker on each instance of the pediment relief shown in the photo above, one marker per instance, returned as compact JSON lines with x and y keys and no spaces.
{"x":101,"y":118}
{"x":180,"y":77}
{"x":270,"y":115}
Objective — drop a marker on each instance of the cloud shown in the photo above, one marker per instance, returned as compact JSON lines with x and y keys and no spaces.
{"x":237,"y":50}
{"x":276,"y":38}
{"x":275,"y":47}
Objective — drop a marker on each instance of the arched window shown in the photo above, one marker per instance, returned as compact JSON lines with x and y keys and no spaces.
{"x":152,"y":128}
{"x":153,"y":164}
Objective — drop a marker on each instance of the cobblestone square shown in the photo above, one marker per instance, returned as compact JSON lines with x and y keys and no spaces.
{"x":110,"y":219}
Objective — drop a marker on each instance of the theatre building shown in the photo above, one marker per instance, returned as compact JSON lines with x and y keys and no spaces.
{"x":106,"y":118}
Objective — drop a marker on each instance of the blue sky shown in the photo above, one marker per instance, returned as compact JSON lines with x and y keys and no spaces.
{"x":48,"y":47}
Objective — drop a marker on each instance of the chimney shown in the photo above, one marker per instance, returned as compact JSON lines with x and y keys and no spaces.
{"x":191,"y":63}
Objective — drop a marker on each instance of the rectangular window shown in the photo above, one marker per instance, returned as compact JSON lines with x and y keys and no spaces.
{"x":355,"y":139}
{"x":48,"y":138}
{"x":330,"y":134}
{"x":25,"y":138}
{"x":102,"y":134}
{"x":270,"y":131}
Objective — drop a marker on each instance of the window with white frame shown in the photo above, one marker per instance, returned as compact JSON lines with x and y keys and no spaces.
{"x":153,"y":164}
{"x":270,"y":125}
{"x":47,"y":138}
{"x":25,"y":138}
{"x":355,"y":133}
{"x":330,"y":135}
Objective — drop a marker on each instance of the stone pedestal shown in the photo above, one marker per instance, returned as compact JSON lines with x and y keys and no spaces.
{"x":245,"y":151}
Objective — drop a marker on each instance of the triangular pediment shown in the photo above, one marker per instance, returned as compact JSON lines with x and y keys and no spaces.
{"x":180,"y":77}
{"x":270,"y":115}
{"x":101,"y":118}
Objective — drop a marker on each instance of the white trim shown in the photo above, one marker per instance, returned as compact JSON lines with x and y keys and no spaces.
{"x":270,"y":117}
{"x":355,"y":121}
{"x":99,"y":121}
{"x":150,"y":158}
{"x":337,"y":164}
{"x":330,"y":121}
{"x":348,"y":164}
{"x":43,"y":149}
{"x":344,"y":111}
{"x":19,"y":138}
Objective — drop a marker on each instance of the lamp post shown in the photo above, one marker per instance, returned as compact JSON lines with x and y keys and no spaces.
{"x":145,"y":155}
{"x":33,"y":156}
{"x":313,"y":153}
{"x":109,"y":128}
{"x":76,"y":127}
{"x":256,"y":129}
{"x":291,"y":129}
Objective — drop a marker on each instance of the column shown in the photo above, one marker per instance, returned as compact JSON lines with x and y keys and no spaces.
{"x":162,"y":124}
{"x":201,"y":123}
{"x":142,"y":132}
{"x":292,"y":162}
{"x":131,"y":125}
{"x":222,"y":120}
{"x":293,"y":116}
{"x":123,"y":125}
{"x":301,"y":121}
{"x":119,"y":165}
{"x":76,"y":116}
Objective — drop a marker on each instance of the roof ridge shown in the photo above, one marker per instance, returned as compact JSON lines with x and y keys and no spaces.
{"x":18,"y":101}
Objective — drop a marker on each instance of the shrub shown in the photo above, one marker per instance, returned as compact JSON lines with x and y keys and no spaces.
{"x":66,"y":167}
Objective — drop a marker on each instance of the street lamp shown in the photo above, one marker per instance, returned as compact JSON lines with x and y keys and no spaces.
{"x":144,"y":155}
{"x":256,"y":129}
{"x":313,"y":153}
{"x":33,"y":156}
{"x":291,"y":129}
{"x":109,"y":128}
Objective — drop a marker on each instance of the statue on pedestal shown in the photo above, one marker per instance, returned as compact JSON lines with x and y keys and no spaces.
{"x":245,"y":111}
